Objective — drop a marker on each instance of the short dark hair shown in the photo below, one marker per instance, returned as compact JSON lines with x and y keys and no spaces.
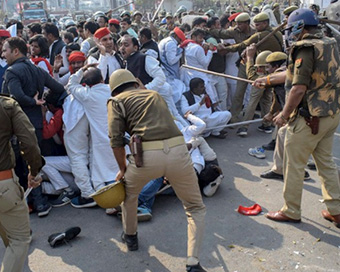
{"x":197,"y":32}
{"x":146,"y":32}
{"x":73,"y":30}
{"x":195,"y":82}
{"x":135,"y":42}
{"x":51,"y":28}
{"x":17,"y":43}
{"x":42,"y":43}
{"x":106,"y":19}
{"x":73,"y":46}
{"x":212,"y":21}
{"x":13,"y":22}
{"x":92,"y":76}
{"x":91,"y":26}
{"x":127,"y":20}
{"x":197,"y":21}
{"x":185,"y":27}
{"x":35,"y":28}
{"x":69,"y":36}
{"x":224,"y":20}
{"x":81,"y":24}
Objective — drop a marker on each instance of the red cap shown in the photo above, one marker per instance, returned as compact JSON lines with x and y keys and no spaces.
{"x":4,"y":33}
{"x":233,"y":16}
{"x":101,"y":32}
{"x":114,"y":21}
{"x":76,"y":56}
{"x":179,"y":34}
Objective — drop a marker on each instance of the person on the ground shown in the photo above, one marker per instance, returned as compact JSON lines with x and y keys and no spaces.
{"x":198,"y":102}
{"x":164,"y":150}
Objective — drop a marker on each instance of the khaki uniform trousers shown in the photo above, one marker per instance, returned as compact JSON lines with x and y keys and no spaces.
{"x":262,"y":96}
{"x":241,"y":88}
{"x":298,"y":146}
{"x":14,"y":225}
{"x":278,"y":151}
{"x":175,"y":164}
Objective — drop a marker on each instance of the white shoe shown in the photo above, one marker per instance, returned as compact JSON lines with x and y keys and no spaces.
{"x":211,"y":188}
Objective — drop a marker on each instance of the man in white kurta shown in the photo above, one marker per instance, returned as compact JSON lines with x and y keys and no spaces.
{"x":106,"y":57}
{"x":198,"y":106}
{"x":196,"y":56}
{"x":94,"y":97}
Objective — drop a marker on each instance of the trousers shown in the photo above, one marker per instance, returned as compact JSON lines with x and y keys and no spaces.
{"x":175,"y":164}
{"x":299,"y":144}
{"x":14,"y":225}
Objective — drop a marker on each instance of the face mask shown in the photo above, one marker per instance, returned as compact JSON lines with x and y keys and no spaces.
{"x":293,"y":33}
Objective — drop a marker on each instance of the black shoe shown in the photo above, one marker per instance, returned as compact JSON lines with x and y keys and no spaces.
{"x":131,"y":241}
{"x":271,"y":175}
{"x":242,"y":131}
{"x":195,"y":268}
{"x":311,"y":165}
{"x":270,"y":145}
{"x":307,"y":176}
{"x":43,"y":209}
{"x":60,"y":238}
{"x":264,"y":129}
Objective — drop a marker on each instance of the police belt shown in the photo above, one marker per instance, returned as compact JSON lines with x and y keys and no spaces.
{"x":158,"y":145}
{"x":6,"y":174}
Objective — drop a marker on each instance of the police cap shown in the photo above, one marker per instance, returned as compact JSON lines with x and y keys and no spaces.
{"x":168,"y":15}
{"x":121,"y":77}
{"x":276,"y":56}
{"x":260,"y":59}
{"x":289,"y":10}
{"x":243,"y":17}
{"x":137,"y":13}
{"x":260,"y":17}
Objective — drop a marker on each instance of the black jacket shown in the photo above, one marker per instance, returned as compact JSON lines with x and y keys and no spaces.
{"x":23,"y":80}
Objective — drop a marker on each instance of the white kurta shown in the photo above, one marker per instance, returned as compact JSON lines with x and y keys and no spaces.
{"x":103,"y":165}
{"x":196,"y":57}
{"x":105,"y":63}
{"x":192,"y":131}
{"x":212,"y":119}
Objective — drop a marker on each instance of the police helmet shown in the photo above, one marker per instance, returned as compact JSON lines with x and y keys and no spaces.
{"x":261,"y":58}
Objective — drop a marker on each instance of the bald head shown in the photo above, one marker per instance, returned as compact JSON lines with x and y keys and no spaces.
{"x":92,"y":76}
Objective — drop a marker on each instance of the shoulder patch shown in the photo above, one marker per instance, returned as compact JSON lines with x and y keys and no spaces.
{"x":298,"y":63}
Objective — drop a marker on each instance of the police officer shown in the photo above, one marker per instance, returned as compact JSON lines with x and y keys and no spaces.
{"x":137,"y":23}
{"x":312,"y":113}
{"x":14,"y":218}
{"x":132,"y":110}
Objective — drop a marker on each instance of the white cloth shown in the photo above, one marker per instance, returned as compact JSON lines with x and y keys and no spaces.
{"x":85,"y":47}
{"x":62,"y":80}
{"x":53,"y":167}
{"x":76,"y":140}
{"x":106,"y":62}
{"x":196,"y":57}
{"x":103,"y":165}
{"x":189,"y":132}
{"x":65,"y":68}
{"x":160,"y":85}
{"x":212,"y":119}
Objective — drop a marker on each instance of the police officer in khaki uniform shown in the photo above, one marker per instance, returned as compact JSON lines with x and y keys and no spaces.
{"x":164,"y":154}
{"x":137,"y":23}
{"x":312,"y":113}
{"x":14,"y":218}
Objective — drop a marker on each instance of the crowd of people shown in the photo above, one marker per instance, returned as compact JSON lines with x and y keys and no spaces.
{"x":62,"y":81}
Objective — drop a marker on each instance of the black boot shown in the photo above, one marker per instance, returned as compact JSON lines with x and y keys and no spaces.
{"x":270,"y":145}
{"x":131,"y":241}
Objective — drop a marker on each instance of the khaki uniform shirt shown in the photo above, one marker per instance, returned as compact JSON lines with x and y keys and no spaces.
{"x":231,"y":33}
{"x":15,"y":122}
{"x":141,"y":112}
{"x":273,"y":44}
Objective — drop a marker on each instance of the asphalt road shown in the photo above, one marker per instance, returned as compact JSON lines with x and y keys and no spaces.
{"x":233,"y":242}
